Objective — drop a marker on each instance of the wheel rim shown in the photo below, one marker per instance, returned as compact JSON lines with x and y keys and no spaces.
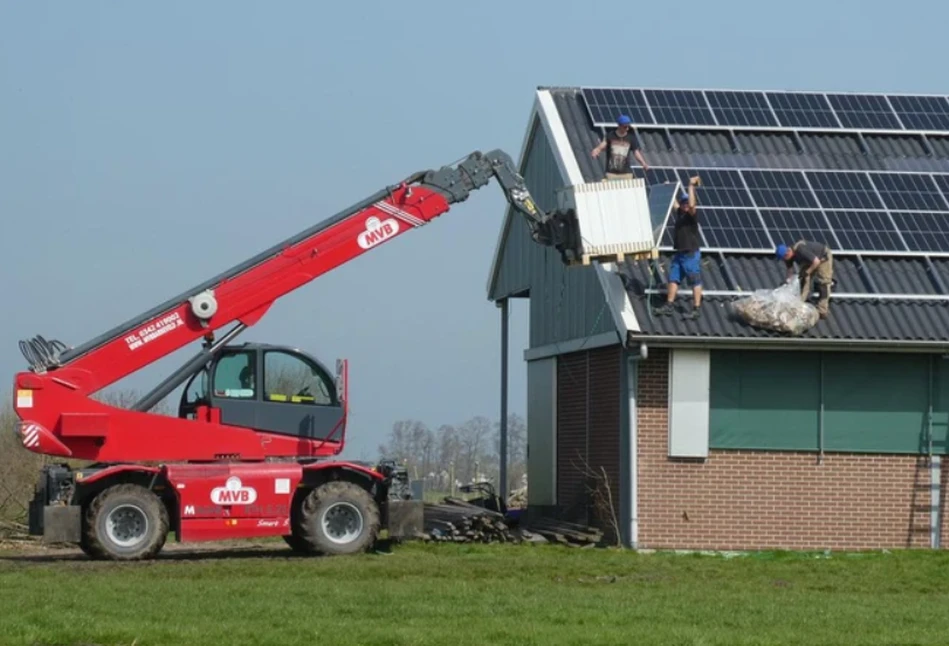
{"x":126,"y":525}
{"x":342,"y":523}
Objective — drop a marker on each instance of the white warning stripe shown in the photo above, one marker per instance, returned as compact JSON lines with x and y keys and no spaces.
{"x":31,"y":436}
{"x":395,"y":211}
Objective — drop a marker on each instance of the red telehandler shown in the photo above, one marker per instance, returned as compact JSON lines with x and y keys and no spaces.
{"x":250,"y":453}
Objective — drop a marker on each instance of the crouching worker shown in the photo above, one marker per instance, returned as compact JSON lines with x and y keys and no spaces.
{"x":687,"y":261}
{"x":814,"y":260}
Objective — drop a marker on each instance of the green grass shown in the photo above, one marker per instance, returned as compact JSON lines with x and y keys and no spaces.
{"x":456,"y":594}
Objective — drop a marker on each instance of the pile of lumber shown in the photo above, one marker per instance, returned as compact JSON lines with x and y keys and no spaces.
{"x":458,"y":521}
{"x":455,"y":520}
{"x":560,"y":531}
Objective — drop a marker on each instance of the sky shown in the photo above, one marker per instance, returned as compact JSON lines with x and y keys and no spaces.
{"x":145,"y":147}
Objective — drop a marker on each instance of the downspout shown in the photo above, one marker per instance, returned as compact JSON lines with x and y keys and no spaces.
{"x":935,"y":471}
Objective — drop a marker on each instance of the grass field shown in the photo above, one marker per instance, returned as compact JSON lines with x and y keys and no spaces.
{"x":493,"y":594}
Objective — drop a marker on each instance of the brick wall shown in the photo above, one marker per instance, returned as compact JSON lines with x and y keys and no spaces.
{"x":772,"y":500}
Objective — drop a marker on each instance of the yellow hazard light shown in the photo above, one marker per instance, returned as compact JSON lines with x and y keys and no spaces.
{"x":24,"y":398}
{"x":230,"y":522}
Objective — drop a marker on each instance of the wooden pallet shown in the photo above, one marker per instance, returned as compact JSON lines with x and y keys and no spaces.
{"x":587,"y":259}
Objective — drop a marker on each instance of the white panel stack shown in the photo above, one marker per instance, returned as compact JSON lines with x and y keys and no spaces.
{"x":613,"y":217}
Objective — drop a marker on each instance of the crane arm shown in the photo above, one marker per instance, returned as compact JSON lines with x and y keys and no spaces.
{"x":244,"y":293}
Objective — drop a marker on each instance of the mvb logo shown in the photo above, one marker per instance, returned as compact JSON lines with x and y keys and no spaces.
{"x":233,"y":493}
{"x":377,"y":231}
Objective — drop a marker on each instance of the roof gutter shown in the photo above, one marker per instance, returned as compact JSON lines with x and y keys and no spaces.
{"x":634,"y":341}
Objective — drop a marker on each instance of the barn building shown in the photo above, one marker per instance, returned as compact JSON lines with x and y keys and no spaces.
{"x":713,"y":434}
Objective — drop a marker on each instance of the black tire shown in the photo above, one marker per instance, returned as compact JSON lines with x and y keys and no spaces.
{"x":141,"y":517}
{"x":349,"y":509}
{"x":297,"y":544}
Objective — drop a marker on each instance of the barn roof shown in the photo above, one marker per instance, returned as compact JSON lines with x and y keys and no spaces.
{"x":868,"y":173}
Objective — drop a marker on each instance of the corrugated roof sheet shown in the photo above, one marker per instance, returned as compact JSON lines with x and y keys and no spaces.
{"x":869,"y":319}
{"x":851,"y":319}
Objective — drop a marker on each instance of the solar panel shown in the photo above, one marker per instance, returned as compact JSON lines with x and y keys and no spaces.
{"x":869,"y":111}
{"x":741,"y":108}
{"x":923,"y":232}
{"x":922,"y":112}
{"x":844,"y":190}
{"x":719,"y":187}
{"x":801,"y":110}
{"x":942,"y":181}
{"x":865,"y":231}
{"x":605,"y":105}
{"x":681,"y":107}
{"x":909,"y":192}
{"x":779,"y":189}
{"x":789,"y":226}
{"x":733,"y":229}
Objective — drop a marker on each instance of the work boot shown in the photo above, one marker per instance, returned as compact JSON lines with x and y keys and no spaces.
{"x":664,"y":310}
{"x":694,"y":314}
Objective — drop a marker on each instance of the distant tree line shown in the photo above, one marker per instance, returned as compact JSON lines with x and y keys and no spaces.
{"x":450,"y":456}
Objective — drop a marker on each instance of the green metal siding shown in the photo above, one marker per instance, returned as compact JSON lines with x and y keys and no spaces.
{"x":876,"y":403}
{"x":565,"y":303}
{"x":764,"y":400}
{"x":872,"y":402}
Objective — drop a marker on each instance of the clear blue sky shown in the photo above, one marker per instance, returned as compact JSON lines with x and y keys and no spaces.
{"x":146,"y":146}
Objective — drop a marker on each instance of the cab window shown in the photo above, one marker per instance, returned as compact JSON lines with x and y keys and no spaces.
{"x":290,"y":378}
{"x":234,"y":376}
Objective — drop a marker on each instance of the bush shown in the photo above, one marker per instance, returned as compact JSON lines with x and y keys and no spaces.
{"x":20,"y":467}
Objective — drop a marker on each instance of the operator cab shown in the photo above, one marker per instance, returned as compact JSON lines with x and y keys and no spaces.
{"x":274,"y":389}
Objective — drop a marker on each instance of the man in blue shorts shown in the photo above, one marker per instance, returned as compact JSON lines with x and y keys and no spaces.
{"x":686,"y":263}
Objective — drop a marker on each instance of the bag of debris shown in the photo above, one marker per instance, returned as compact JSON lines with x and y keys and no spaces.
{"x":780,"y":309}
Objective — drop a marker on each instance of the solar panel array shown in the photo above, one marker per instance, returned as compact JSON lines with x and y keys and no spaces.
{"x":853,"y":211}
{"x":746,"y":109}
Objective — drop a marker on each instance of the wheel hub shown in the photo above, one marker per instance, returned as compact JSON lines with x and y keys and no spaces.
{"x":126,"y":525}
{"x":342,"y":523}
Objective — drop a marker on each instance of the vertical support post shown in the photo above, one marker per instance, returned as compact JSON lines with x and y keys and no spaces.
{"x":820,"y":419}
{"x":503,"y":483}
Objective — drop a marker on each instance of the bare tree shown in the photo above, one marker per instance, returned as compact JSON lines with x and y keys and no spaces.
{"x":602,"y":500}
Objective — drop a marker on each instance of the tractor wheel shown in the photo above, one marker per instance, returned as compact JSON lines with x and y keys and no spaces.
{"x":338,"y":518}
{"x":125,"y":522}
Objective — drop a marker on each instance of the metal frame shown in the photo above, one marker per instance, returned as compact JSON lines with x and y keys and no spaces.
{"x":765,"y":97}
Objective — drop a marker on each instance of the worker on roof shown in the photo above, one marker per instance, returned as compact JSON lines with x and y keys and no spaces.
{"x":621,"y":147}
{"x":813,"y":259}
{"x":687,"y":261}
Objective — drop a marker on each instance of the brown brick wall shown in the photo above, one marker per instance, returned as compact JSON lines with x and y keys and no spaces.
{"x":772,"y":500}
{"x":588,"y":417}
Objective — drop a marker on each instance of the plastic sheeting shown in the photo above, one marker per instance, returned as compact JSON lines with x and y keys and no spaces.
{"x":780,"y":309}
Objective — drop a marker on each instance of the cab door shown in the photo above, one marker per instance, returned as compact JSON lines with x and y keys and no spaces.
{"x":298,"y":396}
{"x":234,"y":387}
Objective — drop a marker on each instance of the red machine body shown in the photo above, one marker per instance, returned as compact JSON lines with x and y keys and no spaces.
{"x":241,"y":459}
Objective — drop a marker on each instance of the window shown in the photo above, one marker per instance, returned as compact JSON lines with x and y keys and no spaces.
{"x":234,"y":376}
{"x":198,"y":388}
{"x":291,"y":378}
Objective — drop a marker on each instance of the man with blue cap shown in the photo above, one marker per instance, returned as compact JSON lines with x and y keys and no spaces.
{"x":621,"y":146}
{"x":687,"y":261}
{"x":814,"y":259}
